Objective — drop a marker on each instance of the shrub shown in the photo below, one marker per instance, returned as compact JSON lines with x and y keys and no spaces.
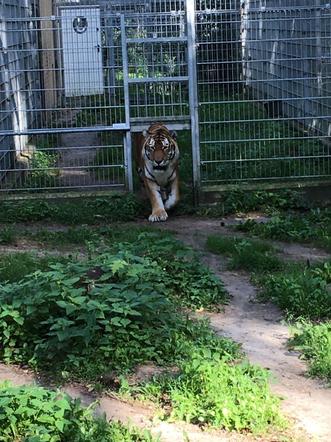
{"x":314,"y":341}
{"x":34,"y":414}
{"x":300,"y":292}
{"x":211,"y":391}
{"x":109,"y":312}
{"x":250,"y":255}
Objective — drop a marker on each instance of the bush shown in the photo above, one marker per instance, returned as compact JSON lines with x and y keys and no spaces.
{"x":250,"y":255}
{"x":210,"y":391}
{"x":109,"y":312}
{"x":188,"y":281}
{"x":314,"y":341}
{"x":315,"y":226}
{"x":34,"y":414}
{"x":301,"y":292}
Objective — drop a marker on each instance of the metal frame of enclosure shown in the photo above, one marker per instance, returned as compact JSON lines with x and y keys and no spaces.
{"x":245,"y":83}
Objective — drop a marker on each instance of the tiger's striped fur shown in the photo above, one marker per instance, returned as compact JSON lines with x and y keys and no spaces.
{"x":158,"y":156}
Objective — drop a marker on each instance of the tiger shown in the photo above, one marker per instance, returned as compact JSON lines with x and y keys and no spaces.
{"x":157,"y":157}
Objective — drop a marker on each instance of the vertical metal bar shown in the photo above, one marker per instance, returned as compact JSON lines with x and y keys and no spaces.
{"x":127,"y":136}
{"x":193,"y":96}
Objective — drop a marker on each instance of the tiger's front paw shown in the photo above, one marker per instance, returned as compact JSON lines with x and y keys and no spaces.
{"x":158,"y":215}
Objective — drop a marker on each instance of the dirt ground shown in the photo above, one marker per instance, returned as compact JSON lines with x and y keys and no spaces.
{"x":260,"y":330}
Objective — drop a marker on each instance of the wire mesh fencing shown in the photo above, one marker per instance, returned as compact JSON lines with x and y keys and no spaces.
{"x":249,"y":81}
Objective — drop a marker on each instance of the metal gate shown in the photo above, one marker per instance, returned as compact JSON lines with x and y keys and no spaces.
{"x":246,"y":82}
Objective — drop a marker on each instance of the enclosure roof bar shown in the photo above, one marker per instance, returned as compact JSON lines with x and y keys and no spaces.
{"x":157,"y":40}
{"x":157,"y":79}
{"x":60,"y":130}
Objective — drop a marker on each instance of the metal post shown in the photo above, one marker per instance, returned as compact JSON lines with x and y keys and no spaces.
{"x":127,"y":136}
{"x":193,"y":96}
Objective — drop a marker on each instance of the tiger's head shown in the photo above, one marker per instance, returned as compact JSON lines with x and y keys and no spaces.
{"x":160,"y":147}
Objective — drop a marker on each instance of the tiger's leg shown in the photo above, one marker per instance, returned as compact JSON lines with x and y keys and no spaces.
{"x":173,"y":196}
{"x":154,"y":192}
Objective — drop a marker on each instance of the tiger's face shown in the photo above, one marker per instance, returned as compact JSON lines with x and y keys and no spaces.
{"x":160,"y":149}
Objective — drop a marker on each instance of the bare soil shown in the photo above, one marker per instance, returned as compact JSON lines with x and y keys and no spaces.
{"x":260,"y":330}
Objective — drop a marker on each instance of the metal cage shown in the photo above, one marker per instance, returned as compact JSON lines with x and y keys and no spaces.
{"x":247,"y":85}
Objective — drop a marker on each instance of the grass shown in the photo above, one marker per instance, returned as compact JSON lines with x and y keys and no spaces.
{"x":32,"y":413}
{"x":245,"y":254}
{"x":15,"y":266}
{"x":313,"y":227}
{"x":118,"y":207}
{"x":314,"y":342}
{"x":7,"y":236}
{"x":301,"y":292}
{"x":212,"y":391}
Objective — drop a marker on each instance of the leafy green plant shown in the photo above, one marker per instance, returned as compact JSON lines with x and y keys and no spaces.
{"x":118,"y":207}
{"x":210,"y":391}
{"x":34,"y":414}
{"x":109,"y":311}
{"x":314,"y":226}
{"x":15,"y":266}
{"x":245,"y":254}
{"x":7,"y":235}
{"x":187,"y":280}
{"x":300,"y":292}
{"x":314,"y":342}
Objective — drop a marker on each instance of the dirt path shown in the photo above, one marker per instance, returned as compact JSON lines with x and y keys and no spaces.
{"x":263,"y":337}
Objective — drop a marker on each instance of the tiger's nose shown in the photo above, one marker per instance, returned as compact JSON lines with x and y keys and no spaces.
{"x":158,"y":161}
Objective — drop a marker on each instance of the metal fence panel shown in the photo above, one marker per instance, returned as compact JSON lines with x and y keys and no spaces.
{"x":251,"y":79}
{"x":265,"y":113}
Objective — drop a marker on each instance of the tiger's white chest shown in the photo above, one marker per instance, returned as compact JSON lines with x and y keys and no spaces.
{"x":162,"y":177}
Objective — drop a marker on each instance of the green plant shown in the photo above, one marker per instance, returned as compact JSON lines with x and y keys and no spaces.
{"x":118,"y":207}
{"x":314,"y":342}
{"x":313,"y":226}
{"x":34,"y":414}
{"x":250,"y":255}
{"x":211,"y":391}
{"x":15,"y":266}
{"x":300,"y":292}
{"x":7,"y":235}
{"x":187,"y":280}
{"x":86,"y":317}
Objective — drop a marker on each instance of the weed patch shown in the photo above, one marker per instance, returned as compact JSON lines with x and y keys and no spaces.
{"x":15,"y":266}
{"x":249,"y":255}
{"x":111,"y":311}
{"x":37,"y":414}
{"x":314,"y":342}
{"x":7,"y":236}
{"x":300,"y":292}
{"x":121,"y":207}
{"x":211,"y":391}
{"x":315,"y":226}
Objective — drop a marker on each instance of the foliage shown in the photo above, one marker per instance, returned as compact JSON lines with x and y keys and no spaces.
{"x":7,"y":236}
{"x":118,"y":207}
{"x":211,"y":391}
{"x":314,"y":341}
{"x":300,"y":292}
{"x":314,"y":226}
{"x":89,"y":316}
{"x":250,"y":255}
{"x":241,"y":201}
{"x":187,"y":280}
{"x":34,"y":414}
{"x":15,"y":266}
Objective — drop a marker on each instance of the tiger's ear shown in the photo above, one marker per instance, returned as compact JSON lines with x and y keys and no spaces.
{"x":173,"y":134}
{"x":145,"y":134}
